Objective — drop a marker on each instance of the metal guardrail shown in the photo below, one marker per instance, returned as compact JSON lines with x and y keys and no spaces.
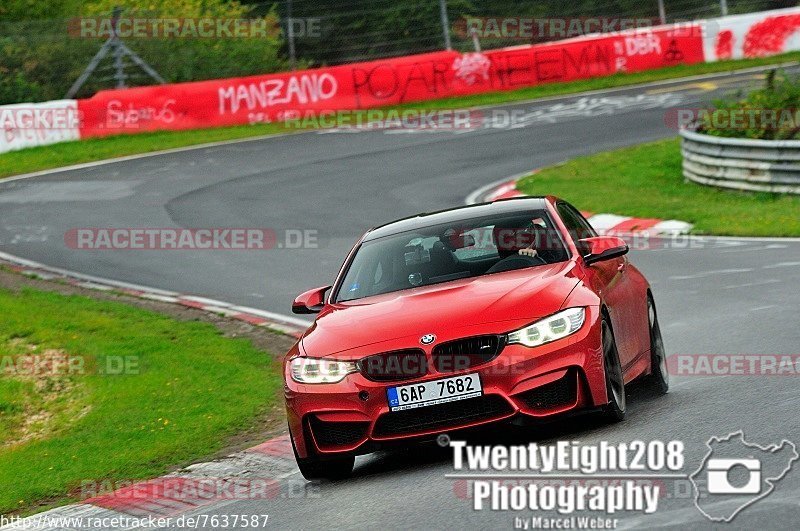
{"x":741,"y":164}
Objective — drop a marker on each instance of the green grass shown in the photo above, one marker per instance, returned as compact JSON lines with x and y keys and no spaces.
{"x":41,"y":158}
{"x":188,"y":392}
{"x":646,"y":181}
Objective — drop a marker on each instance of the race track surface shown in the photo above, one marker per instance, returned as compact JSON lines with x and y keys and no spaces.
{"x":719,"y":296}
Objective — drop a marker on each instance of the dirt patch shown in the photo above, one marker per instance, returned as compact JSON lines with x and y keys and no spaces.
{"x":49,"y":398}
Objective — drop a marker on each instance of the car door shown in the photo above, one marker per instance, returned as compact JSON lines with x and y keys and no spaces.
{"x":612,"y":281}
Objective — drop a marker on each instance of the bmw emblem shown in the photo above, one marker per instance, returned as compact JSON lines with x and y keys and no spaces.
{"x":427,"y":339}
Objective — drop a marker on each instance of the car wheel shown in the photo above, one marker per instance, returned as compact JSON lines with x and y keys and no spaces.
{"x":330,"y":468}
{"x":659,"y":375}
{"x":614,"y":411}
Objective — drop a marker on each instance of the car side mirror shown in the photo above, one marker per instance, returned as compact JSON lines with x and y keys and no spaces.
{"x":312,"y":301}
{"x":600,"y":248}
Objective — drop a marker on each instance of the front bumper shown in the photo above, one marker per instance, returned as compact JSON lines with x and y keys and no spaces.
{"x":353,"y":416}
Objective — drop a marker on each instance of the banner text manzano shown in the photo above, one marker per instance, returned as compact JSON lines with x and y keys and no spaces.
{"x":395,"y":81}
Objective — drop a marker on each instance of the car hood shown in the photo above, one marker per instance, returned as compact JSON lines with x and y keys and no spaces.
{"x":487,"y":304}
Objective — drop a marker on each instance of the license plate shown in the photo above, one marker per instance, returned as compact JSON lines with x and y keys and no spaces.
{"x":434,"y":392}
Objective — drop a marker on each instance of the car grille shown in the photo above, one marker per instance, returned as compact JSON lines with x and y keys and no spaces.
{"x":450,"y":414}
{"x":337,"y":433}
{"x":463,"y":354}
{"x":555,"y":394}
{"x":394,"y":366}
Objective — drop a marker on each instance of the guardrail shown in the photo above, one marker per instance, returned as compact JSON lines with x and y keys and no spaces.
{"x":741,"y":164}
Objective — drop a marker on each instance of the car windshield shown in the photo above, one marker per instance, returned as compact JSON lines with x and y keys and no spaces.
{"x":453,"y":251}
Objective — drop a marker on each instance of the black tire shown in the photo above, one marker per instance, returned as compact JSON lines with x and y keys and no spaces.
{"x":658,"y":380}
{"x":615,"y":410}
{"x":330,"y":468}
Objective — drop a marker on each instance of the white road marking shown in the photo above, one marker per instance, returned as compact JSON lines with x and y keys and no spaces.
{"x":705,"y":274}
{"x":753,"y":284}
{"x":781,"y":264}
{"x":768,"y":247}
{"x":759,"y":308}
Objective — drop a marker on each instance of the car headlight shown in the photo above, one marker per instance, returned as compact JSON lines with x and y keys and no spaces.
{"x":318,"y":371}
{"x":549,"y":329}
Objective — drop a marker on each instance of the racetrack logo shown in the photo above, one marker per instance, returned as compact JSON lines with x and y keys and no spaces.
{"x":734,"y":364}
{"x":332,"y":120}
{"x":735,"y":474}
{"x":774,"y":120}
{"x":536,"y":29}
{"x":194,"y":490}
{"x":181,"y":239}
{"x":52,"y":363}
{"x":187,"y":28}
{"x":38,"y":118}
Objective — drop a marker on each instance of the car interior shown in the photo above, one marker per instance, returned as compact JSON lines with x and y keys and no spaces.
{"x":452,"y":252}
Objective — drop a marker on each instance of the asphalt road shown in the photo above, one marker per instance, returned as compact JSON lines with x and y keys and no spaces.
{"x":719,"y":296}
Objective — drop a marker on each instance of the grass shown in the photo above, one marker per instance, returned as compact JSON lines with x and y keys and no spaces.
{"x":68,"y":153}
{"x":647,"y":181}
{"x":185,"y":391}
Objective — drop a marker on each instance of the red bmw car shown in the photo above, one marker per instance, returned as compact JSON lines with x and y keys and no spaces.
{"x":507,"y":311}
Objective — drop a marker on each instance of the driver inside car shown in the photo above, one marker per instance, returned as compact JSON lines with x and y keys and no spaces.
{"x":522,"y":241}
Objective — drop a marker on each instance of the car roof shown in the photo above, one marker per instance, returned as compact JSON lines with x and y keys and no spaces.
{"x":502,"y":206}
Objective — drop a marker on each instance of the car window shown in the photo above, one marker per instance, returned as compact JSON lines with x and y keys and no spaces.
{"x":576,"y":224}
{"x":484,"y":247}
{"x":445,"y":253}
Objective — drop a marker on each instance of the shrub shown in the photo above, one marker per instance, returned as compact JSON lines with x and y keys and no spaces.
{"x":770,"y":113}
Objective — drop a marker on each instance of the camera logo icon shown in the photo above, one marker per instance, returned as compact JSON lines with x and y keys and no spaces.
{"x":736,"y":473}
{"x":720,"y":470}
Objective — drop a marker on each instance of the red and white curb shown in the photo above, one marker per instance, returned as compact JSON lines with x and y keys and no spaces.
{"x":262,"y":473}
{"x":273,"y":321}
{"x":603,"y":223}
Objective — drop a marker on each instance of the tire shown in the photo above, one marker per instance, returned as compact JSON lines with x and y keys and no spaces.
{"x":330,"y":468}
{"x":658,"y":380}
{"x":615,"y":410}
